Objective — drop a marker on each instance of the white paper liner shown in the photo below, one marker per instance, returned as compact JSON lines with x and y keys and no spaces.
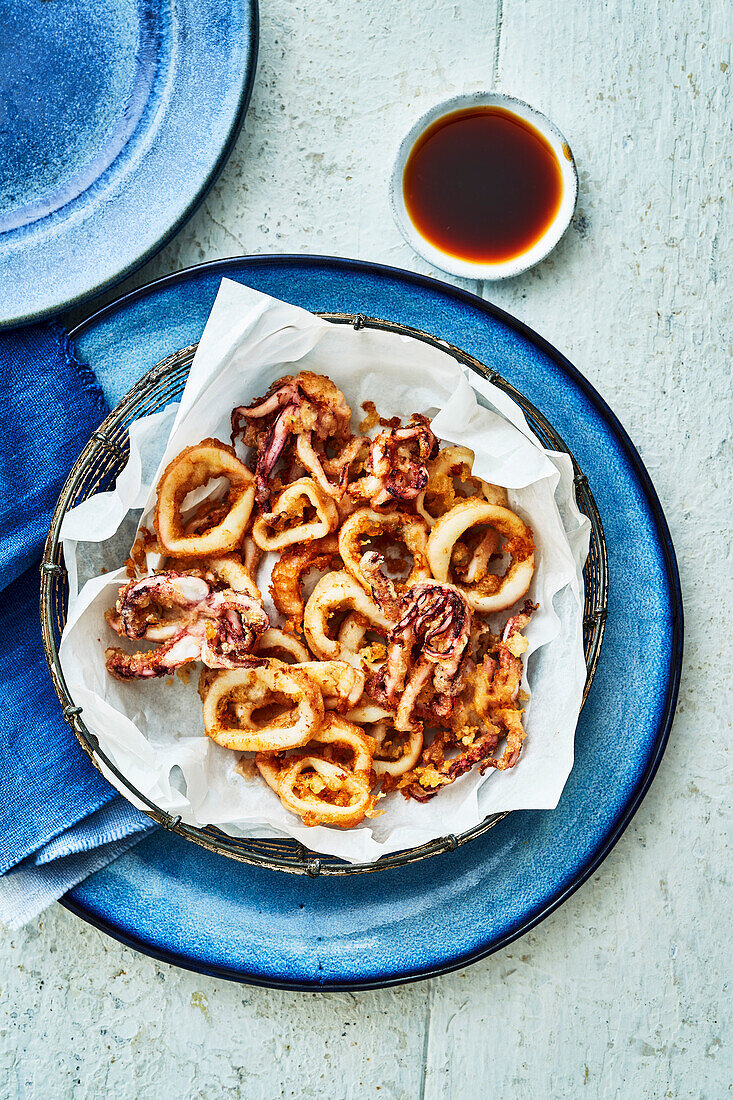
{"x":153,"y":731}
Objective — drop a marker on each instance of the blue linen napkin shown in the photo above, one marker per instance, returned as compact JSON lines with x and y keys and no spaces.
{"x":59,"y":819}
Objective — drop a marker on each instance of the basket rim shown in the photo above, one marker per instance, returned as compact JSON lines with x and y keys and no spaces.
{"x":210,"y":837}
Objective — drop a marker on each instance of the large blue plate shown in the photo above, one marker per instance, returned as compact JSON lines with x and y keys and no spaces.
{"x":177,"y":902}
{"x":115,"y":118}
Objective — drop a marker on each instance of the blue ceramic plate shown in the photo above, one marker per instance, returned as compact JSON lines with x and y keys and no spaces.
{"x":177,"y":902}
{"x":115,"y":118}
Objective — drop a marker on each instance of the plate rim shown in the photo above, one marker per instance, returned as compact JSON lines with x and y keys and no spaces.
{"x":313,"y":863}
{"x":676,"y":608}
{"x":251,"y":17}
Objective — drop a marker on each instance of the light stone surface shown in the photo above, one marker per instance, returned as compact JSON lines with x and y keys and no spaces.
{"x":623,"y":991}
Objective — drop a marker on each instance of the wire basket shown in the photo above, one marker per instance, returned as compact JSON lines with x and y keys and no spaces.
{"x":96,"y":470}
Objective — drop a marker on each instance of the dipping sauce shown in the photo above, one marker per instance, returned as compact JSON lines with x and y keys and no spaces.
{"x":482,"y":184}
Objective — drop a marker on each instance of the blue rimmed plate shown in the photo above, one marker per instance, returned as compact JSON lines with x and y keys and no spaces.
{"x":115,"y":119}
{"x":180,"y":903}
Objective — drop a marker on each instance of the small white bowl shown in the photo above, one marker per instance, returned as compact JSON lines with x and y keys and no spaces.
{"x":506,"y":268}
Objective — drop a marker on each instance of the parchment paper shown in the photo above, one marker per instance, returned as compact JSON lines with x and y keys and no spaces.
{"x":153,"y":731}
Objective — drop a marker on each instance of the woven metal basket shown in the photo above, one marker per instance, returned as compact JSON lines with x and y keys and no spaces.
{"x":96,"y":470}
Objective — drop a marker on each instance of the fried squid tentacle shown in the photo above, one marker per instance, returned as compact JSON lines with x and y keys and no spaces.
{"x":495,"y":714}
{"x":157,"y":607}
{"x":383,"y":589}
{"x":279,"y":406}
{"x":408,"y":475}
{"x":426,"y":645}
{"x":309,"y":407}
{"x":500,"y":675}
{"x":289,"y":572}
{"x":517,"y":623}
{"x":339,"y":467}
{"x":219,"y":628}
{"x":396,"y":467}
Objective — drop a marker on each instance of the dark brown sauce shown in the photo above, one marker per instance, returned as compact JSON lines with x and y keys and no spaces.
{"x":482,"y":184}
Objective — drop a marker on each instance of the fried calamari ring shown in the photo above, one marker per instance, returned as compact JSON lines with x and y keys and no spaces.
{"x":352,"y":632}
{"x":396,"y":752}
{"x":307,"y":786}
{"x":491,"y":593}
{"x":231,"y":571}
{"x":341,"y":684}
{"x":288,"y":574}
{"x":439,"y":495}
{"x":366,"y":523}
{"x":346,"y":744}
{"x":282,"y":646}
{"x":353,"y":453}
{"x":208,"y":514}
{"x":493,"y":494}
{"x":269,"y":530}
{"x":233,"y":698}
{"x":317,"y":786}
{"x":192,"y":468}
{"x":367,"y":711}
{"x":351,"y":635}
{"x":336,"y":592}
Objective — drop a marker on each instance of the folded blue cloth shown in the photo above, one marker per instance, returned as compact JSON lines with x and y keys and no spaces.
{"x":50,"y":405}
{"x":50,"y":794}
{"x":62,"y":863}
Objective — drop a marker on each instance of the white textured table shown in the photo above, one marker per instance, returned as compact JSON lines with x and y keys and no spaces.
{"x":622,"y":992}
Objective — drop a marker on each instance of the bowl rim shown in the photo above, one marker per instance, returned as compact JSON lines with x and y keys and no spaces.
{"x":299,"y":859}
{"x":542,"y":247}
{"x":249,"y":16}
